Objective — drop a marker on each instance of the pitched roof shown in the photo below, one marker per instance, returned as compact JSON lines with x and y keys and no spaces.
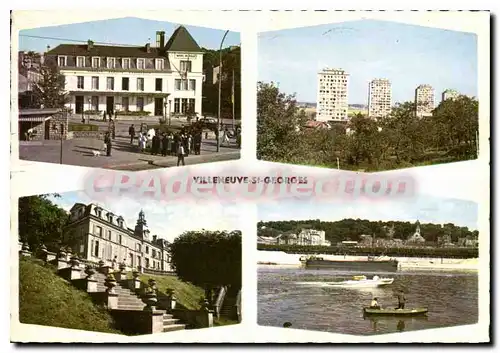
{"x":181,"y":40}
{"x":105,"y":50}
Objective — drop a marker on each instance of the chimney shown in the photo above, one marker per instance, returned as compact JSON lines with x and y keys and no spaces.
{"x":90,"y":45}
{"x":154,"y":238}
{"x":148,"y":48}
{"x":160,"y":39}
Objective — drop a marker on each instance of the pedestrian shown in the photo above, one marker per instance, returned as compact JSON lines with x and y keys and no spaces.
{"x":180,"y":154}
{"x":190,"y":143}
{"x":104,"y":116}
{"x":197,"y":143}
{"x":164,"y":145}
{"x":154,"y":144}
{"x":401,"y":299}
{"x":107,"y":141}
{"x":131,"y":132}
{"x":143,"y":142}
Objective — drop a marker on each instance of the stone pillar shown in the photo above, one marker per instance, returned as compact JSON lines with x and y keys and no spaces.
{"x":136,"y":282}
{"x":75,"y":268}
{"x":91,"y":281}
{"x":122,"y":275}
{"x":172,"y":300}
{"x":69,"y":254}
{"x":20,"y":245}
{"x":25,"y":250}
{"x":47,"y":256}
{"x":151,"y":301}
{"x":207,"y":318}
{"x":104,"y":269}
{"x":61,"y":259}
{"x":110,"y":283}
{"x":156,"y":321}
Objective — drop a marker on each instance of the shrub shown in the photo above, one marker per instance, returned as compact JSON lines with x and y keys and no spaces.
{"x":131,"y":113}
{"x":92,"y":112}
{"x":82,"y":127}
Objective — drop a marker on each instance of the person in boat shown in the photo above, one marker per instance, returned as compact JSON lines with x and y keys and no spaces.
{"x":376,"y":278}
{"x":401,"y":299}
{"x":374,"y":304}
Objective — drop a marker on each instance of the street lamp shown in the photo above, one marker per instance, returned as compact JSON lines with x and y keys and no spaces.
{"x":90,"y":108}
{"x":220,"y":89}
{"x":61,"y":127}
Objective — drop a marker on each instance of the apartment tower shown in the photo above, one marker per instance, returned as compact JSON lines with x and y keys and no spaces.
{"x":424,"y":100}
{"x":332,"y":103}
{"x":379,"y":98}
{"x":449,"y":94}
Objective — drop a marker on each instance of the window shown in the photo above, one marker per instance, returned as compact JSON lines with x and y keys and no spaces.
{"x":126,"y":64}
{"x":80,"y":61}
{"x":186,"y":66}
{"x":147,"y":262}
{"x":96,"y":62}
{"x":110,"y":83}
{"x":158,"y":84}
{"x":192,"y":85}
{"x":177,"y":84}
{"x":125,"y":104}
{"x":147,"y":249}
{"x":140,"y":64}
{"x":96,"y":248}
{"x":120,"y":238}
{"x":140,"y":104}
{"x":140,"y":84}
{"x":191,"y":105}
{"x":159,"y":64}
{"x":125,"y":81}
{"x":95,"y":103}
{"x":181,"y":85}
{"x":95,"y":82}
{"x":79,"y":82}
{"x":109,"y":235}
{"x":184,"y":105}
{"x":177,"y":105}
{"x":110,"y":63}
{"x":62,"y":60}
{"x":97,"y":230}
{"x":138,"y":247}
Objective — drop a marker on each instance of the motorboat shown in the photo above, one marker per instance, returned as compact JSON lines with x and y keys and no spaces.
{"x":364,"y":282}
{"x":394,"y":312}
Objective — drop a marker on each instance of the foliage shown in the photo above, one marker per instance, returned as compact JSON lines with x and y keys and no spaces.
{"x":399,"y":140}
{"x":41,"y":222}
{"x":82,"y":127}
{"x":47,"y":299}
{"x":208,"y":258}
{"x":231,"y":62}
{"x":352,"y":229}
{"x":453,"y":253}
{"x":133,"y":113}
{"x":49,"y":91}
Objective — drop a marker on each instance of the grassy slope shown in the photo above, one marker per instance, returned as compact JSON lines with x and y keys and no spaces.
{"x":47,"y":299}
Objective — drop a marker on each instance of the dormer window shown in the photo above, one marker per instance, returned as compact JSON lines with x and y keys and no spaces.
{"x":80,"y":61}
{"x":159,"y":64}
{"x":62,"y":60}
{"x":110,"y":63}
{"x":140,"y":64}
{"x":125,"y":63}
{"x":96,"y":62}
{"x":185,"y":66}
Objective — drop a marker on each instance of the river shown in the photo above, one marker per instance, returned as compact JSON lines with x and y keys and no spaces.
{"x":300,"y":296}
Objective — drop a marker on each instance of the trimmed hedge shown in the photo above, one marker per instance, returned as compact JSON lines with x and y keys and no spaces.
{"x":82,"y":127}
{"x":130,"y":113}
{"x":453,"y":253}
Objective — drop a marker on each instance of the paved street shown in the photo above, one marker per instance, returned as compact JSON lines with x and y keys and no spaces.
{"x":124,"y":156}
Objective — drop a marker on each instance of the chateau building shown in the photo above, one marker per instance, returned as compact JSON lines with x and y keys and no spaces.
{"x":332,"y":103}
{"x":164,"y":79}
{"x":98,"y":234}
{"x":379,"y":98}
{"x":424,"y":100}
{"x":309,"y":237}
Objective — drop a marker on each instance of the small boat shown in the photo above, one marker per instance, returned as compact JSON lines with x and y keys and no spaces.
{"x":395,"y":312}
{"x":363,"y":282}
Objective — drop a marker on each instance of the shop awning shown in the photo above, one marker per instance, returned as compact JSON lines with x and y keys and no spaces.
{"x":37,"y":115}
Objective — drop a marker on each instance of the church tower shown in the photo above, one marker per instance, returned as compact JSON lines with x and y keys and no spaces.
{"x":417,"y":230}
{"x":141,"y":227}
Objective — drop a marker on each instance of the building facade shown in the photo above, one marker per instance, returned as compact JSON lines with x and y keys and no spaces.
{"x":424,"y":100}
{"x":332,"y":101}
{"x":97,"y":234}
{"x":379,"y":98}
{"x":449,"y":94}
{"x":163,"y":80}
{"x":307,"y":237}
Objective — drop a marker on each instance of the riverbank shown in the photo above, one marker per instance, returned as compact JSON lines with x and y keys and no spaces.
{"x":279,"y":258}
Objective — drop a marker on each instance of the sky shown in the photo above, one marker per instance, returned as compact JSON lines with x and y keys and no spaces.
{"x":129,"y":31}
{"x":426,"y":209}
{"x":407,"y":55}
{"x":167,"y":220}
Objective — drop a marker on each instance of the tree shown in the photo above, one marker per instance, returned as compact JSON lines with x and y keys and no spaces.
{"x":279,"y":121}
{"x":49,"y":91}
{"x":41,"y":222}
{"x":208,"y":259}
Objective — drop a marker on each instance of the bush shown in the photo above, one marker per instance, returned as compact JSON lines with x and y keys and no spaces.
{"x":92,"y":112}
{"x":82,"y":127}
{"x":454,"y":253}
{"x":130,"y":113}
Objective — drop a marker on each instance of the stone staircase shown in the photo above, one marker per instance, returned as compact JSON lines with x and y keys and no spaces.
{"x":229,"y":305}
{"x":129,"y":300}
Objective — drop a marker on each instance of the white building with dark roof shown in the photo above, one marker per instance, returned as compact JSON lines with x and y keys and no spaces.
{"x":97,"y":235}
{"x":164,"y":79}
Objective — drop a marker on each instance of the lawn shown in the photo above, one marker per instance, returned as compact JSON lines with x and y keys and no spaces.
{"x":47,"y":299}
